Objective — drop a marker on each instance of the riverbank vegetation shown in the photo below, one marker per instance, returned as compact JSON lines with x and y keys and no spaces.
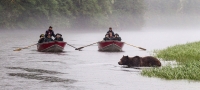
{"x":187,"y":57}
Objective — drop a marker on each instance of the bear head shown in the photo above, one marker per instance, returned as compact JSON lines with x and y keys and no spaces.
{"x":124,"y":60}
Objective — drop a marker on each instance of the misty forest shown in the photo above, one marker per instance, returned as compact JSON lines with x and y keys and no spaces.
{"x":94,"y":14}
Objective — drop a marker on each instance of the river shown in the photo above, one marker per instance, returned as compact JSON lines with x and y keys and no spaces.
{"x":88,"y":69}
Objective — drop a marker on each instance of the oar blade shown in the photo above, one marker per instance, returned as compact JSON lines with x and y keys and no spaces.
{"x":142,"y":48}
{"x":19,"y":49}
{"x":79,"y":48}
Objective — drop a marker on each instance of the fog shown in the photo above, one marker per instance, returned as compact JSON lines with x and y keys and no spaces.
{"x":77,"y":15}
{"x":172,"y":14}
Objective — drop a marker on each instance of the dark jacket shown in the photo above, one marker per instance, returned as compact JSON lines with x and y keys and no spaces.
{"x":111,"y":31}
{"x":59,"y":39}
{"x":51,"y":32}
{"x":106,"y":38}
{"x":48,"y":39}
{"x":41,"y":40}
{"x":118,"y":38}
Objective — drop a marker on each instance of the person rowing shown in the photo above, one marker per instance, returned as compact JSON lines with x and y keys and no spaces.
{"x":110,"y":30}
{"x":50,"y":32}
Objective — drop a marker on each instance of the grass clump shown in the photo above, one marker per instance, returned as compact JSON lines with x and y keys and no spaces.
{"x":187,"y":71}
{"x":181,"y":53}
{"x":188,"y":58}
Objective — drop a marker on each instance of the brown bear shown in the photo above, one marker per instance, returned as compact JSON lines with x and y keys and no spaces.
{"x":137,"y":61}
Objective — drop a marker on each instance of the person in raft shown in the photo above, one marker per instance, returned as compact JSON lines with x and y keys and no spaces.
{"x":117,"y":37}
{"x":58,"y":37}
{"x":106,"y":37}
{"x":50,"y":32}
{"x":48,"y":39}
{"x":110,"y":30}
{"x":111,"y":36}
{"x":41,"y":40}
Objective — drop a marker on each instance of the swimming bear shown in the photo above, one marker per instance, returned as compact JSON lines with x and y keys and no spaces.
{"x":138,"y":61}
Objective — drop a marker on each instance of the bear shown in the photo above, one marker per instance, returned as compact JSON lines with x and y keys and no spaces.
{"x":137,"y":61}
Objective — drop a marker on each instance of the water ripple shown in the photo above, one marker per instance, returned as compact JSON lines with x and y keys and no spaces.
{"x":36,"y":70}
{"x":39,"y":77}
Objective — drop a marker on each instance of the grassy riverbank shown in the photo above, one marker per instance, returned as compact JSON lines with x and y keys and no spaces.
{"x":186,"y":55}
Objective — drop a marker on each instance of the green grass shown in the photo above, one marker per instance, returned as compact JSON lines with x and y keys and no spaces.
{"x":186,"y":55}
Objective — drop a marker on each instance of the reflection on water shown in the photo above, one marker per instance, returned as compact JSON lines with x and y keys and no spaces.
{"x":88,"y":69}
{"x":39,"y":77}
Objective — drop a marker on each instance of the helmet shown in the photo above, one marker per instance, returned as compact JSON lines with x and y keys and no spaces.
{"x":42,"y":35}
{"x":117,"y":34}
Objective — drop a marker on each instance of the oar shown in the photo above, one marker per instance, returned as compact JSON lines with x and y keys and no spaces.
{"x":136,"y":46}
{"x":85,"y":46}
{"x":19,"y":49}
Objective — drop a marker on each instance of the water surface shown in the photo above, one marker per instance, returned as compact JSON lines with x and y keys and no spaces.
{"x":88,"y":69}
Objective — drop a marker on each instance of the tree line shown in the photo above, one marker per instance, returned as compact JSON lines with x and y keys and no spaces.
{"x":92,"y":14}
{"x":71,"y":14}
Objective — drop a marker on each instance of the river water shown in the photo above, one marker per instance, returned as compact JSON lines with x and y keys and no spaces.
{"x":88,"y":69}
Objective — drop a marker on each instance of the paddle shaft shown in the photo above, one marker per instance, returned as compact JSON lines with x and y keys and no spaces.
{"x":19,"y":49}
{"x":71,"y":45}
{"x":29,"y":46}
{"x":90,"y":44}
{"x":85,"y":46}
{"x":136,"y":46}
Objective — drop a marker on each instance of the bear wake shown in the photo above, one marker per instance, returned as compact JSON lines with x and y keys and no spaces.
{"x":138,"y":61}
